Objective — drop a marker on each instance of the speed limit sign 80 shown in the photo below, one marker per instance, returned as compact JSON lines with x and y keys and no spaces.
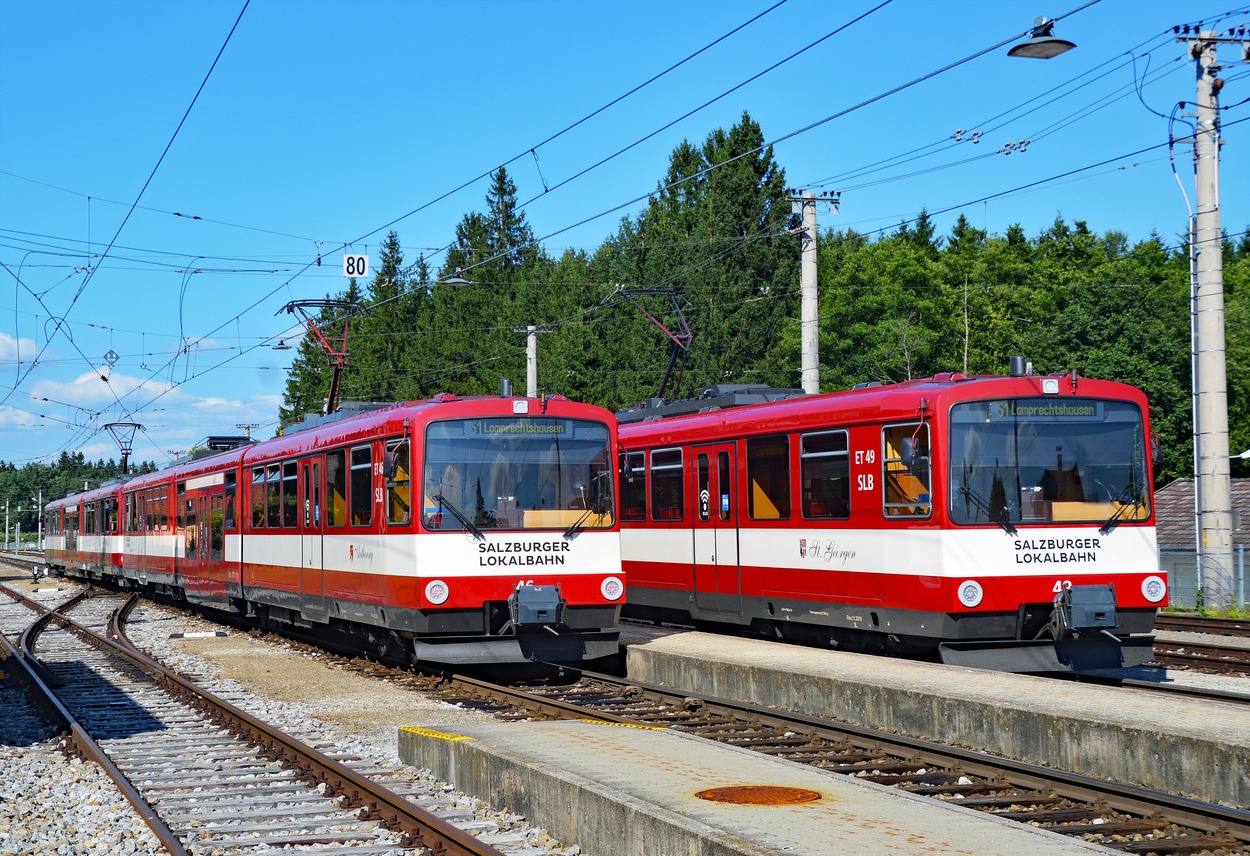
{"x":355,"y":264}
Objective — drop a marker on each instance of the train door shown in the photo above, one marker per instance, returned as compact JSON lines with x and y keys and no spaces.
{"x":203,"y":544}
{"x":189,"y":568}
{"x":716,"y":568}
{"x":71,"y":528}
{"x":213,"y":544}
{"x":312,"y":527}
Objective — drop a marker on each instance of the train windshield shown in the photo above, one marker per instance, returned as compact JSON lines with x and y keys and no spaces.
{"x":518,"y":473}
{"x":1047,"y":460}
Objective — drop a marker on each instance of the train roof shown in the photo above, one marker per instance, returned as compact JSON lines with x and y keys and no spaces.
{"x":766,"y":409}
{"x":353,"y":422}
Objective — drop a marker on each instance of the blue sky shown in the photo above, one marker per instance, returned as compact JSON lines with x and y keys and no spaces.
{"x":324,"y":122}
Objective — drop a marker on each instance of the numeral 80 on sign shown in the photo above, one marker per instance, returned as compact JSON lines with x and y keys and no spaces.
{"x":355,"y":264}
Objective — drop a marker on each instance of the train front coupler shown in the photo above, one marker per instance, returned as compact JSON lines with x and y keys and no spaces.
{"x":531,"y":607}
{"x":1079,"y":637}
{"x":1082,"y":624}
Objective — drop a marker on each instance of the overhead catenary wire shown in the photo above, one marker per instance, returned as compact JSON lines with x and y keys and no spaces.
{"x":87,"y":280}
{"x":766,"y":145}
{"x":553,"y":233}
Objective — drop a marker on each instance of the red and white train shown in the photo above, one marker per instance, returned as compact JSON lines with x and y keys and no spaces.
{"x":459,"y":530}
{"x":1006,"y":521}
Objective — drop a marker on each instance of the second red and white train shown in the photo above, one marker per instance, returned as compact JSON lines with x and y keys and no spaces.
{"x":1006,"y":522}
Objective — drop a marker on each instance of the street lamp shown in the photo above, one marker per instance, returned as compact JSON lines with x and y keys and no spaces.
{"x":1043,"y":45}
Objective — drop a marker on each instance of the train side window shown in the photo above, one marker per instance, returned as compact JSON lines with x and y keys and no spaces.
{"x":180,"y":505}
{"x":110,"y":515}
{"x":668,"y":487}
{"x":399,"y":482}
{"x":336,"y":488}
{"x":88,"y":519}
{"x":161,"y":497}
{"x":825,"y":472}
{"x":361,"y":494}
{"x":768,"y":473}
{"x":231,"y":490}
{"x":258,"y":497}
{"x":724,"y":482}
{"x":634,"y":487}
{"x":290,"y":494}
{"x":273,"y":496}
{"x":905,"y":470}
{"x":131,"y":517}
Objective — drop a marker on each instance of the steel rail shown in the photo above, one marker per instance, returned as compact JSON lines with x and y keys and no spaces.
{"x":1235,"y":661}
{"x":420,"y":827}
{"x":84,"y":744}
{"x":1202,"y":624}
{"x":1207,"y":817}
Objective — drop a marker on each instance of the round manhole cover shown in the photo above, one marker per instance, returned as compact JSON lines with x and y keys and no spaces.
{"x":758,"y":795}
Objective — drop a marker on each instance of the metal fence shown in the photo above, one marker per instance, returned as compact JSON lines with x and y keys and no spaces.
{"x":1183,"y":590}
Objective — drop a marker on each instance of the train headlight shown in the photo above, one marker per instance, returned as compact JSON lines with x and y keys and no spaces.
{"x":612,"y":588}
{"x":1153,"y":588}
{"x":970,"y":593}
{"x":436,"y":591}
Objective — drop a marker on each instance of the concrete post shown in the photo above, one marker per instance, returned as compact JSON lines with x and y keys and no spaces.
{"x":1211,"y":462}
{"x":807,"y":297}
{"x":531,"y":361}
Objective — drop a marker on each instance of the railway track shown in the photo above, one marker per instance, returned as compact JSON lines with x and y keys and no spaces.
{"x":1223,"y":659}
{"x":209,"y":777}
{"x":1204,"y":653}
{"x":1132,"y":820}
{"x":1125,"y":818}
{"x":1178,"y":623}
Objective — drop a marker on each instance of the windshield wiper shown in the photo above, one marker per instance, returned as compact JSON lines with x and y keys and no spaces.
{"x":999,"y":517}
{"x":579,"y":524}
{"x":598,"y":506}
{"x":444,"y":502}
{"x":1117,"y":517}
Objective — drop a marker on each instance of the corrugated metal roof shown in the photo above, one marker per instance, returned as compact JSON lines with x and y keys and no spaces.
{"x":1174,"y":506}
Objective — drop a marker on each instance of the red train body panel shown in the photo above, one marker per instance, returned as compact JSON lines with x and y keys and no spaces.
{"x":1007,"y":520}
{"x":468,"y":530}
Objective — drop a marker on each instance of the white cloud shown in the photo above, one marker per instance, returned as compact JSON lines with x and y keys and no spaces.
{"x":97,"y":390}
{"x":11,"y":349}
{"x":176,"y":419}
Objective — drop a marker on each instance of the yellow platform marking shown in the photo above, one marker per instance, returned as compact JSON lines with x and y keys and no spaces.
{"x":430,"y":732}
{"x":625,"y":725}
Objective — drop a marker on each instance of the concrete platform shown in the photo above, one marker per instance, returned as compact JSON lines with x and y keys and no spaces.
{"x":620,"y":791}
{"x":1196,"y":748}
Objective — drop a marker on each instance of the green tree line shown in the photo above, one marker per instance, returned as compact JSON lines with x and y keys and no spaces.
{"x":716,"y":248}
{"x":22,"y":488}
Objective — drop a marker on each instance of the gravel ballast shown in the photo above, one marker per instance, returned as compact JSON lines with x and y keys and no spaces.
{"x":53,"y":804}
